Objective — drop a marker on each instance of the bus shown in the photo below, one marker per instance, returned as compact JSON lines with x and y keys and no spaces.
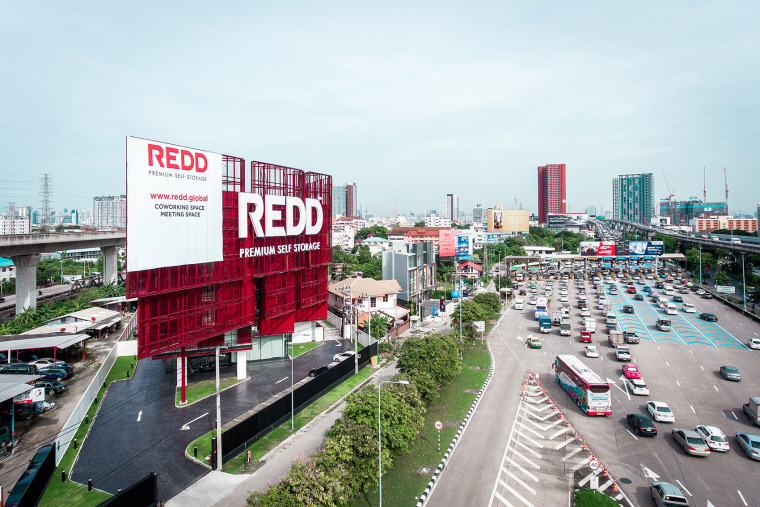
{"x":589,"y":390}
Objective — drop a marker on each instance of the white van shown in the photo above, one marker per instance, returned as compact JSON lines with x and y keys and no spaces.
{"x":519,"y":304}
{"x":671,"y":309}
{"x":611,"y":318}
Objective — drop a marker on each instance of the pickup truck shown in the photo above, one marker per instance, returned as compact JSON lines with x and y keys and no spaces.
{"x":752,"y":409}
{"x":623,"y":353}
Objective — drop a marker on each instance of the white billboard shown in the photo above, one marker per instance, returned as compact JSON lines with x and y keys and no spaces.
{"x":174,"y":205}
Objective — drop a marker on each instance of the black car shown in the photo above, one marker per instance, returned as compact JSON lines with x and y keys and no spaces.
{"x":630,"y":337}
{"x":638,"y":297}
{"x":628,"y":309}
{"x":642,"y":424}
{"x":709,"y":317}
{"x":677,"y":299}
{"x":522,"y":292}
{"x":707,"y":295}
{"x":319,"y":370}
{"x":51,"y":386}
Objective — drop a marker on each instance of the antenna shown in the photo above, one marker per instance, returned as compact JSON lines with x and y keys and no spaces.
{"x":45,"y":196}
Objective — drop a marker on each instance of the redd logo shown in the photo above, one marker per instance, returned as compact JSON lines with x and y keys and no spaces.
{"x":270,"y":209}
{"x":176,"y":158}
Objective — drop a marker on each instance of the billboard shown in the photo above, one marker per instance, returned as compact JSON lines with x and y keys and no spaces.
{"x":597,"y":248}
{"x":463,"y":245}
{"x":495,"y":220}
{"x":446,"y":243}
{"x":31,"y":396}
{"x":725,"y":289}
{"x":646,"y":248}
{"x":174,"y":205}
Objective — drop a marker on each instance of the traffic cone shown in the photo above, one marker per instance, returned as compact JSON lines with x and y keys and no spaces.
{"x":605,"y":473}
{"x":575,"y":436}
{"x":614,"y":487}
{"x":593,"y":457}
{"x":567,"y":425}
{"x":585,"y":447}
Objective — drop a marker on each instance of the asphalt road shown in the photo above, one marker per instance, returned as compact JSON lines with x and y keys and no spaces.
{"x":138,"y":428}
{"x":680,"y":368}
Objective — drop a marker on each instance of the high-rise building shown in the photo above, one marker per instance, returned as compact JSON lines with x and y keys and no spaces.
{"x":352,"y":202}
{"x":591,"y":210}
{"x":633,"y":197}
{"x":110,"y":211}
{"x":477,"y":214}
{"x":683,"y":212}
{"x":452,"y":207}
{"x":339,"y":201}
{"x":551,"y":190}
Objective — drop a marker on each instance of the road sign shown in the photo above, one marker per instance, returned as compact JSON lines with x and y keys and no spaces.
{"x":594,"y":464}
{"x":480,"y":325}
{"x":594,"y":484}
{"x":438,"y":425}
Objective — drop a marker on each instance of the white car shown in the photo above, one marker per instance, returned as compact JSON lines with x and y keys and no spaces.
{"x":660,"y":411}
{"x":592,"y":351}
{"x":563,"y":299}
{"x":689,"y":308}
{"x":47,"y":362}
{"x":754,"y":343}
{"x":585,"y":313}
{"x":638,"y":386}
{"x":716,"y":440}
{"x":343,"y":355}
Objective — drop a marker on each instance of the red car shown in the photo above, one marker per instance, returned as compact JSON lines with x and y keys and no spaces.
{"x":631,"y":289}
{"x":585,"y":337}
{"x":631,"y":371}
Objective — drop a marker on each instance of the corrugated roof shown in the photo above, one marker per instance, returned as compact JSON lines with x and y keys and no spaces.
{"x":366,"y":286}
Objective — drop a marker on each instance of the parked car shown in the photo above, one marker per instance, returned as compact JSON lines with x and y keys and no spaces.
{"x":631,"y":371}
{"x":642,"y":424}
{"x":754,"y":343}
{"x":343,"y":355}
{"x":19,"y":369}
{"x":592,"y":351}
{"x":730,"y":373}
{"x":714,"y":438}
{"x":638,"y":386}
{"x":51,"y":386}
{"x":47,"y":362}
{"x":5,"y":437}
{"x":709,"y":317}
{"x":660,"y":411}
{"x":750,"y":443}
{"x":44,"y":406}
{"x":319,"y":370}
{"x":56,"y":374}
{"x":691,"y":442}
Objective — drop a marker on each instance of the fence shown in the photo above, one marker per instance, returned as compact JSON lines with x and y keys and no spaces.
{"x":131,"y":325}
{"x":143,"y":493}
{"x":335,"y":320}
{"x":29,"y":488}
{"x":246,"y":432}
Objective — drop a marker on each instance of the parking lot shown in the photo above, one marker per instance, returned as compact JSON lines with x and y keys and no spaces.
{"x":681,"y":368}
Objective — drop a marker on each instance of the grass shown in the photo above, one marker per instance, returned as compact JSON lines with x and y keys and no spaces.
{"x":72,"y":493}
{"x":199,"y":390}
{"x":300,"y":348}
{"x":591,"y":498}
{"x":403,"y":484}
{"x":259,"y":448}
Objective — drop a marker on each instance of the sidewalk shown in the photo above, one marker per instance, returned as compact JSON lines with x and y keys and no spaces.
{"x":223,"y":489}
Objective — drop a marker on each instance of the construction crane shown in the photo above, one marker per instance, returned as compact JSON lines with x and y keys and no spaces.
{"x":670,"y":195}
{"x":725,"y":179}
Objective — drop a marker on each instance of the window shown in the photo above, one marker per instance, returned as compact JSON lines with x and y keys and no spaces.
{"x":385,"y":299}
{"x":372,"y":302}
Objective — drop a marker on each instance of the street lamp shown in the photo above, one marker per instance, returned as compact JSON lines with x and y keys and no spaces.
{"x":380,"y":437}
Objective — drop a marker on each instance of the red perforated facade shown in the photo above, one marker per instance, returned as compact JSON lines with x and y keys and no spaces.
{"x":192,"y":306}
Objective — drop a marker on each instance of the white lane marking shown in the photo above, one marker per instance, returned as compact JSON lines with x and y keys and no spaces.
{"x":667,"y":364}
{"x":503,"y":500}
{"x":518,"y":495}
{"x":658,"y":348}
{"x":529,"y":474}
{"x":732,"y":413}
{"x":285,"y":378}
{"x":186,"y":426}
{"x":716,"y":388}
{"x":521,"y":482}
{"x":571,"y":454}
{"x":539,"y":435}
{"x":139,"y":416}
{"x":692,"y":409}
{"x":581,"y":464}
{"x":742,"y":497}
{"x":692,"y":352}
{"x":703,"y":368}
{"x":516,"y":453}
{"x":563,"y":430}
{"x":757,"y":334}
{"x":634,"y":436}
{"x":679,"y":384}
{"x":684,"y":487}
{"x":506,"y":450}
{"x":528,"y":448}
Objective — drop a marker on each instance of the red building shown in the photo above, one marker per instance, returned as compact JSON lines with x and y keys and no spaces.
{"x":275,"y":239}
{"x":551,"y":190}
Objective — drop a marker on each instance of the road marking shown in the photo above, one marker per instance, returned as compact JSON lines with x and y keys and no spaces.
{"x":692,"y":352}
{"x":716,"y":388}
{"x":658,"y":348}
{"x":742,"y":497}
{"x":139,"y":416}
{"x":528,"y":448}
{"x":679,"y":384}
{"x":502,"y":500}
{"x":581,"y":464}
{"x":518,"y":495}
{"x":692,"y":409}
{"x":284,"y":378}
{"x":514,"y":451}
{"x":703,"y":368}
{"x":732,"y":413}
{"x":684,"y":487}
{"x":186,"y":426}
{"x":563,"y":444}
{"x":634,"y":436}
{"x":649,"y":474}
{"x":667,"y":364}
{"x":520,"y":481}
{"x":571,"y":454}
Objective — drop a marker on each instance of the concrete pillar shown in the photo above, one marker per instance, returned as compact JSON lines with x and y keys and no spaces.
{"x":242,"y":361}
{"x":26,"y":281}
{"x":110,"y":267}
{"x":181,"y":370}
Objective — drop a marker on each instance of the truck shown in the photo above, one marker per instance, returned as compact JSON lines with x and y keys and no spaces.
{"x":556,"y":318}
{"x":616,"y":338}
{"x":564,"y":327}
{"x":545,"y":324}
{"x":752,"y":409}
{"x":589,"y":325}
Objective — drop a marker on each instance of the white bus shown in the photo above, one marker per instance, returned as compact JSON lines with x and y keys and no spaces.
{"x":585,"y":387}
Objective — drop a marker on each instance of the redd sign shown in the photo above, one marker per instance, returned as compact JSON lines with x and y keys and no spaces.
{"x":299,"y":216}
{"x":170,"y":157}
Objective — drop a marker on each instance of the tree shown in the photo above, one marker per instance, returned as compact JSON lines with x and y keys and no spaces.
{"x":489,"y":300}
{"x":435,"y":354}
{"x":378,"y":325}
{"x":375,"y":230}
{"x":721,"y":278}
{"x":668,"y":242}
{"x":419,"y":224}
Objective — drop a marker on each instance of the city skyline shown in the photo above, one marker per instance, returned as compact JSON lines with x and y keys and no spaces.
{"x":403,"y":118}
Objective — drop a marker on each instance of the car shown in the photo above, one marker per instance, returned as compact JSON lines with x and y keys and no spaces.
{"x":638,"y":297}
{"x":677,"y":299}
{"x":44,"y":406}
{"x":631,"y":371}
{"x":631,"y":289}
{"x":57,"y":373}
{"x":534,"y":342}
{"x":585,"y":313}
{"x":647,"y":289}
{"x":714,"y":438}
{"x":630,"y":337}
{"x":51,"y":386}
{"x":660,"y":411}
{"x":730,"y":373}
{"x":683,"y":290}
{"x":523,"y":292}
{"x":47,"y":362}
{"x":592,"y":351}
{"x":707,"y":295}
{"x":532,"y":301}
{"x":563,"y":299}
{"x":319,"y":370}
{"x":622,"y":353}
{"x":628,"y":309}
{"x":699,"y":291}
{"x":754,"y":343}
{"x":691,"y":442}
{"x":689,"y":308}
{"x":343,"y":355}
{"x":642,"y":424}
{"x":585,"y":337}
{"x":638,"y":386}
{"x":709,"y":317}
{"x":750,"y":443}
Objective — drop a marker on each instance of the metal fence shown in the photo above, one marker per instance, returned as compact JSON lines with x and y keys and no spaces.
{"x":29,"y":488}
{"x":335,"y":320}
{"x":246,"y":432}
{"x":143,"y":493}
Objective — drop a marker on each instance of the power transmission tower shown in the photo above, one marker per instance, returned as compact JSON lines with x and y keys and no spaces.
{"x":45,"y":196}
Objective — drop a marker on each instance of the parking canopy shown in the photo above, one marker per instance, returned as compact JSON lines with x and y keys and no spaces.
{"x":16,"y":342}
{"x":13,"y":385}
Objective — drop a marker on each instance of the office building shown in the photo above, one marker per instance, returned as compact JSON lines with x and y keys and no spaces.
{"x":452,"y":207}
{"x":683,"y":212}
{"x":412,"y":265}
{"x":633,"y":197}
{"x":551,"y":190}
{"x":345,"y":202}
{"x":435,"y":220}
{"x":110,"y":212}
{"x":591,"y":211}
{"x":478,"y":213}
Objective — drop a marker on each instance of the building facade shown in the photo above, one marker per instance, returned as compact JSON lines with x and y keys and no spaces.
{"x":110,"y":212}
{"x":7,"y":270}
{"x":478,"y":214}
{"x":15,"y":224}
{"x":452,"y":207}
{"x":551,"y":190}
{"x":413,"y":266}
{"x":683,"y":212}
{"x":723,"y":222}
{"x":435,"y":220}
{"x":343,"y":236}
{"x":633,"y":197}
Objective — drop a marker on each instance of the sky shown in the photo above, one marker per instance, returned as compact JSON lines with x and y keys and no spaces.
{"x":411,"y":100}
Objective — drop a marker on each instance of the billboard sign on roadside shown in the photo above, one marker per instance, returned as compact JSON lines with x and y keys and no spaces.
{"x":446,"y":243}
{"x":646,"y":248}
{"x":725,"y":289}
{"x":597,"y":248}
{"x":463,"y":245}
